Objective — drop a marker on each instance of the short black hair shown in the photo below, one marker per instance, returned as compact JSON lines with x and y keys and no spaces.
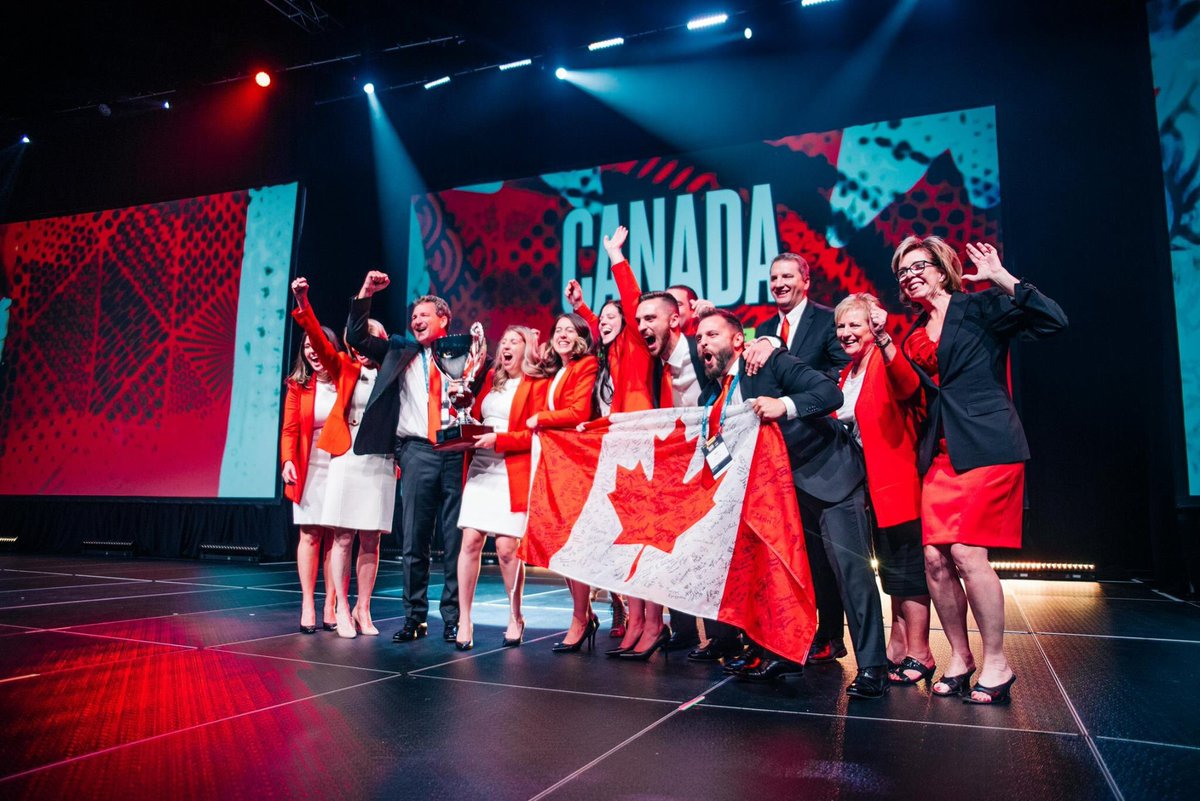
{"x":731,"y":319}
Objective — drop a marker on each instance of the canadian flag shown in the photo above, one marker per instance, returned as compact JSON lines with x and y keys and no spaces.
{"x":634,"y":508}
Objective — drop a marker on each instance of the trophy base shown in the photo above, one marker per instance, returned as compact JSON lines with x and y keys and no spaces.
{"x":459,"y":438}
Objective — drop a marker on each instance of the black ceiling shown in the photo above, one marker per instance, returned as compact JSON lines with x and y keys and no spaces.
{"x":68,"y":57}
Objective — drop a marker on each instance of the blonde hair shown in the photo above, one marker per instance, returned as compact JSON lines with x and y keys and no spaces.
{"x":859,"y":300}
{"x":940,"y":253}
{"x":529,"y":362}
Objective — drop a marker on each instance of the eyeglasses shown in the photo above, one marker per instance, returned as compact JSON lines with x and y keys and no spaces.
{"x":916,"y":268}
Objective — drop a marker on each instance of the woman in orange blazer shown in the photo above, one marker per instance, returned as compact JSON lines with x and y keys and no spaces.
{"x":345,"y":492}
{"x":882,"y":405}
{"x":496,"y":491}
{"x":569,"y":364}
{"x":295,"y":445}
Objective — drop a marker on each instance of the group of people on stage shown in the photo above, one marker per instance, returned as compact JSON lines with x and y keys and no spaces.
{"x":907,"y":450}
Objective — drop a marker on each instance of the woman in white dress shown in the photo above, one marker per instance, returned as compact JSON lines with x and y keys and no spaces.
{"x":496,"y":494}
{"x":346,"y":491}
{"x":310,"y":396}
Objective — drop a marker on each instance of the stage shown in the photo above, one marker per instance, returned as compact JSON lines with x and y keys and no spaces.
{"x":182,"y":679}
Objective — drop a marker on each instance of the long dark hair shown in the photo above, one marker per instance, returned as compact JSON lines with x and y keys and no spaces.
{"x":302,"y":373}
{"x":551,"y":363}
{"x":604,"y":387}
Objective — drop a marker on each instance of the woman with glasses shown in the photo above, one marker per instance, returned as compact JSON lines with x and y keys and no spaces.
{"x":972,"y":449}
{"x":347,"y":492}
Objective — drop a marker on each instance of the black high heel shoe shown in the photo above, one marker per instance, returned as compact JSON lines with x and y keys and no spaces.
{"x":514,"y":642}
{"x":996,"y":695}
{"x":897,"y":675}
{"x":958,"y":684}
{"x":589,"y":635}
{"x":307,"y":629}
{"x":660,"y":641}
{"x":459,"y":645}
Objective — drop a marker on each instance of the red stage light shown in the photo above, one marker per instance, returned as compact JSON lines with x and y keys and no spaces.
{"x":263,"y":79}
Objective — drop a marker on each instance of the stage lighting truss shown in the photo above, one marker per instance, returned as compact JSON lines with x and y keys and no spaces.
{"x":307,"y":15}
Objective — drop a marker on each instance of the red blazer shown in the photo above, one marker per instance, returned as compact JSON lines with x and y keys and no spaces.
{"x":295,"y":442}
{"x":515,"y":443}
{"x":573,"y":397}
{"x":298,"y":414}
{"x":345,"y":371}
{"x":886,"y":413}
{"x":629,"y":359}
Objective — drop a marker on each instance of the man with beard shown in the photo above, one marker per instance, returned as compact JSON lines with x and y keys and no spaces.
{"x":828,"y":473}
{"x":408,"y":405}
{"x":678,"y":380}
{"x":806,"y":330}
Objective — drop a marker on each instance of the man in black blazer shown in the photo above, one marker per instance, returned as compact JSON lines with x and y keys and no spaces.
{"x":806,"y":330}
{"x":398,"y":419}
{"x":829,"y":474}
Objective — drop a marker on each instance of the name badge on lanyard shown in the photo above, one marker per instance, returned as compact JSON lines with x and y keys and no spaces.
{"x":716,"y":452}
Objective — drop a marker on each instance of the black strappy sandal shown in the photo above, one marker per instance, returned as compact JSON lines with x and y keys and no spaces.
{"x":897,"y":675}
{"x":996,"y":695}
{"x":958,"y":684}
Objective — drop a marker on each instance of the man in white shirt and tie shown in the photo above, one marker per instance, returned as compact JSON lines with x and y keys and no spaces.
{"x":408,"y":405}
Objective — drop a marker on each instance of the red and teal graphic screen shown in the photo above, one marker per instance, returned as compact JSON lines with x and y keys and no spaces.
{"x":142,"y":348}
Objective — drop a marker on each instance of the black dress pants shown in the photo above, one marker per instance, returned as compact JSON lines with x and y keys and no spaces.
{"x":431,"y":485}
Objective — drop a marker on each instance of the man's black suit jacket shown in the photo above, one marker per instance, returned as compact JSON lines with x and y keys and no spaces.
{"x":826,"y":463}
{"x":815,"y":341}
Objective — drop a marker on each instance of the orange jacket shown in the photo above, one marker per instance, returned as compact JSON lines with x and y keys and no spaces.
{"x":886,"y":415}
{"x":572,"y":397}
{"x":515,"y":443}
{"x":629,"y":359}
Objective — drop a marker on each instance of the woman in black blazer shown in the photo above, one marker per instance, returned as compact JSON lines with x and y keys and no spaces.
{"x":972,"y":449}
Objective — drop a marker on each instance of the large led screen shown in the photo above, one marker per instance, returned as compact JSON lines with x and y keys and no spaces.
{"x":142,"y":348}
{"x":503,"y":252}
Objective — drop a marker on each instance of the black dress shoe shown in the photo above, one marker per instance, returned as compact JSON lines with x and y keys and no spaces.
{"x":714,"y":652}
{"x":826,"y":651}
{"x":450,"y":632}
{"x":680,"y":640}
{"x":412,"y":631}
{"x":772,"y":669}
{"x":871,"y":682}
{"x":748,"y":660}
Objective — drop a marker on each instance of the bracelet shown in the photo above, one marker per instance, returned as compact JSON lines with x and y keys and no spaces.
{"x":884,"y":341}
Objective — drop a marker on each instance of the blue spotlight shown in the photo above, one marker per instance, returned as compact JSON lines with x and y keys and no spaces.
{"x":747,"y":33}
{"x":442,"y":80}
{"x":512,"y":65}
{"x":369,"y":88}
{"x":560,"y":73}
{"x":707,"y":22}
{"x":167,"y":105}
{"x":24,"y":140}
{"x":606,"y":43}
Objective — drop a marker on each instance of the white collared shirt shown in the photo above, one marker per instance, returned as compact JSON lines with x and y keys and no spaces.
{"x":414,"y":400}
{"x":685,"y":384}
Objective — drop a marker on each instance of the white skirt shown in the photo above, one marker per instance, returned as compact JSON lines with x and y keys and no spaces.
{"x":355,"y":491}
{"x":486,"y":504}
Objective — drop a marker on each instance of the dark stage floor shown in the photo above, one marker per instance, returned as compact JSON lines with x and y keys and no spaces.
{"x":164,"y":679}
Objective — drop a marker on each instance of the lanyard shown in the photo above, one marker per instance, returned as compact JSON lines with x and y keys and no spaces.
{"x":724,"y":409}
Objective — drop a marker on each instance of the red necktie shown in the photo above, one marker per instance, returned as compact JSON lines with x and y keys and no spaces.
{"x":784,"y":330}
{"x":714,"y":417}
{"x":666,"y":399}
{"x":435,"y":403}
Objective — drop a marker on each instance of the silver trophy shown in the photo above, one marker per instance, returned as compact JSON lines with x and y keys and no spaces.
{"x":461,"y":357}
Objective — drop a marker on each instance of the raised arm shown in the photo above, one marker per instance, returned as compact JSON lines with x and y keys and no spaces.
{"x":627,"y":283}
{"x":303,"y":314}
{"x":1020,"y":309}
{"x":900,"y":374}
{"x":357,"y":333}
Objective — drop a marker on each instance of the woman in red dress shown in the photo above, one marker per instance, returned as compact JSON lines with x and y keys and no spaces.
{"x":569,"y":364}
{"x":972,"y":449}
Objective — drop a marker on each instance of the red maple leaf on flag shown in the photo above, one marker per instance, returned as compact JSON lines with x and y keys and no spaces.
{"x":657,"y":511}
